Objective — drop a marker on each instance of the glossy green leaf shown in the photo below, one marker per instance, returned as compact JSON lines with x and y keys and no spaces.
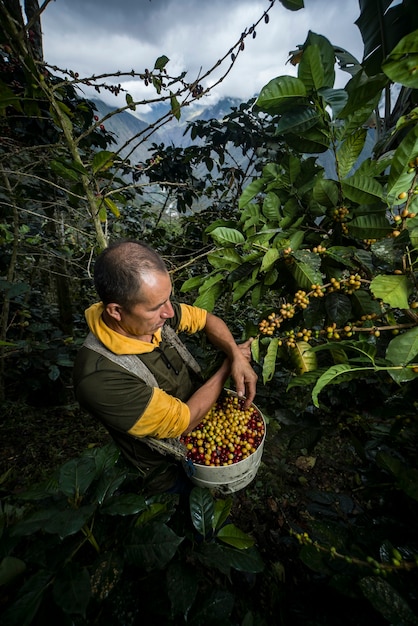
{"x":399,"y":178}
{"x":225,"y":258}
{"x":242,"y":287}
{"x":76,"y":476}
{"x":207,"y":297}
{"x":235,"y":537}
{"x":192,"y":283}
{"x":306,"y":275}
{"x":363,"y":94}
{"x":222,"y":509}
{"x":298,"y":120}
{"x":269,"y":364}
{"x":281,"y":93}
{"x":269,"y":259}
{"x":227,"y":236}
{"x":349,"y":151}
{"x":392,"y":289}
{"x":293,"y":5}
{"x":161,"y":62}
{"x":403,"y":348}
{"x":311,"y":141}
{"x":325,"y":192}
{"x":311,"y":71}
{"x":338,"y":308}
{"x":250,"y":191}
{"x":401,"y":66}
{"x":362,"y":189}
{"x":271,"y":206}
{"x":202,"y":510}
{"x":255,"y":349}
{"x":373,"y":225}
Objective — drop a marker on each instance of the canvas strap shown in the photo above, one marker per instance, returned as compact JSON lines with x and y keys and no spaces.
{"x":133,"y":364}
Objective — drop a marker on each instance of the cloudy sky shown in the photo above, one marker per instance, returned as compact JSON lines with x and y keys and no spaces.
{"x":103,"y":36}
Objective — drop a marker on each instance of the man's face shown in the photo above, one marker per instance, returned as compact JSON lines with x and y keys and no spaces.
{"x":146,"y":317}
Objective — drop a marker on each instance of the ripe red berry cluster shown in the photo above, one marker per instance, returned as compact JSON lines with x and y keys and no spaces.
{"x":226,"y":435}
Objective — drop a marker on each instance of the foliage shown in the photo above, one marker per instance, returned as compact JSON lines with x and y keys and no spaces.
{"x":70,"y":546}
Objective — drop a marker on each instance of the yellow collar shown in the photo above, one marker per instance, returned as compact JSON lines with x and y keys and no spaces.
{"x":117,"y":343}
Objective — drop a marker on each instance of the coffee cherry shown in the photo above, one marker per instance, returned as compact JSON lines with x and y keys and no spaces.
{"x":226,"y":435}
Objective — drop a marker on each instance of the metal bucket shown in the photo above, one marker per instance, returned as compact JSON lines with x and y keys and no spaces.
{"x":229,"y":478}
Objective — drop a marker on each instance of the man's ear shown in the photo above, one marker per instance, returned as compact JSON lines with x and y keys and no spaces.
{"x":114,"y":310}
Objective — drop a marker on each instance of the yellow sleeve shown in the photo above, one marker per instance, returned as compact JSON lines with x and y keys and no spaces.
{"x":192,"y":320}
{"x":164,"y":417}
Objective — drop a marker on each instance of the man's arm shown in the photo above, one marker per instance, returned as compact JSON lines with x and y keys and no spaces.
{"x":244,"y":376}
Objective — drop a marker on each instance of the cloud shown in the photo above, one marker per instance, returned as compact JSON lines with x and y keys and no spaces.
{"x":104,"y":36}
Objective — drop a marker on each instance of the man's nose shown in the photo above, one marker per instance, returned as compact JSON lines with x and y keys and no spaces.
{"x":167,"y":311}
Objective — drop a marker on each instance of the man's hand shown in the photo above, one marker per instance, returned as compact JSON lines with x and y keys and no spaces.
{"x":242,"y":373}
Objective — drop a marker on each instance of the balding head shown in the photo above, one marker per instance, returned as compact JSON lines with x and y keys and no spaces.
{"x":119,"y":270}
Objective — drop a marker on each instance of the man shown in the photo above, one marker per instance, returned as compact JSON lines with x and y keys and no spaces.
{"x":167,"y":397}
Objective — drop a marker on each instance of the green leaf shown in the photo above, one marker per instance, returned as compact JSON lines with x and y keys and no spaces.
{"x":271,"y":207}
{"x":338,"y":308}
{"x":112,"y":206}
{"x":293,"y":5}
{"x":124,"y":504}
{"x":311,"y":71}
{"x":227,"y":236}
{"x":371,"y":225}
{"x":71,"y":589}
{"x":175,"y":106}
{"x":161,"y":62}
{"x":207,"y":297}
{"x":235,"y":537}
{"x":362,"y":189}
{"x":401,"y":66}
{"x":222,"y":509}
{"x":394,"y":290}
{"x":202,"y":510}
{"x":350,"y":150}
{"x":224,"y":258}
{"x":336,"y":98}
{"x":102,"y":161}
{"x":335,"y":375}
{"x":280,"y":94}
{"x":76,"y":476}
{"x":68,"y":522}
{"x":399,"y":179}
{"x":325,"y":192}
{"x":251,"y":190}
{"x":255,"y":349}
{"x":269,"y":259}
{"x":403,"y":348}
{"x":269,"y":365}
{"x":306,"y":275}
{"x":298,"y":120}
{"x":192,"y":283}
{"x":130,"y":102}
{"x":151,"y":547}
{"x":303,"y":357}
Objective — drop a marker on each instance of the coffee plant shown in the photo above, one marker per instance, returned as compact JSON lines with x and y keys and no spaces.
{"x":89,"y":544}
